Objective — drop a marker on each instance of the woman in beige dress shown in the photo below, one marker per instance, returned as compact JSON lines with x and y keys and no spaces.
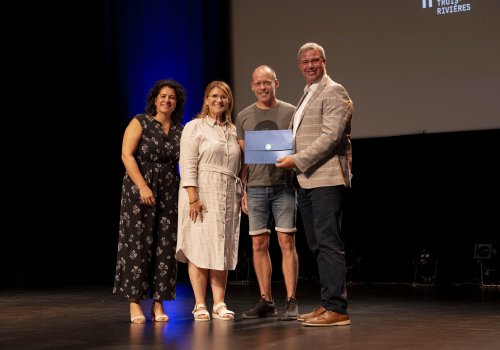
{"x":209,"y":200}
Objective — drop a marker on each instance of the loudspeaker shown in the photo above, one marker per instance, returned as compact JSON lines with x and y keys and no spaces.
{"x":482,"y":251}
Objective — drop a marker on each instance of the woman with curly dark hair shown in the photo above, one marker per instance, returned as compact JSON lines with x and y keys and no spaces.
{"x":146,"y":265}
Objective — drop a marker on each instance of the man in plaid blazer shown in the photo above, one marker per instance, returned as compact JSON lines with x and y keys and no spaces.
{"x":322,"y":162}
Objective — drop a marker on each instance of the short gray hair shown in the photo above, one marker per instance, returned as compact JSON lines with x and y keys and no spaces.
{"x":312,"y":46}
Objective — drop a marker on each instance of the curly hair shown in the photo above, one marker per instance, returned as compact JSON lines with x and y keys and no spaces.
{"x":180,"y":95}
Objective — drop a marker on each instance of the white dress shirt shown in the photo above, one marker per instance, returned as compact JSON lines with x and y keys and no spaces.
{"x":308,"y":91}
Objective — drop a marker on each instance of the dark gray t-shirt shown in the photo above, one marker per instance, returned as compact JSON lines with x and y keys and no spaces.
{"x":253,"y":118}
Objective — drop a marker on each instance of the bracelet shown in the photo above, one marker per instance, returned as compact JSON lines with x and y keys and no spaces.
{"x":196,"y":200}
{"x":140,"y":188}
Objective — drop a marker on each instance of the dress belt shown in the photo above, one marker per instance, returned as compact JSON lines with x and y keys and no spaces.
{"x":238,"y":186}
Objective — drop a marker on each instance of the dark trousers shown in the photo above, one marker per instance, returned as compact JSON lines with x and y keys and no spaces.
{"x":321,"y":212}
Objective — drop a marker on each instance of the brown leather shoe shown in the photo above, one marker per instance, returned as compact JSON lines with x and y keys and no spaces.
{"x":328,"y":318}
{"x":318,"y":310}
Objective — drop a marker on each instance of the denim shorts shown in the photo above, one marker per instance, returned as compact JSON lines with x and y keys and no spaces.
{"x":276,"y":200}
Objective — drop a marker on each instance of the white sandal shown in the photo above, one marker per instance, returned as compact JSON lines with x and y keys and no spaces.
{"x":200,"y":310}
{"x":221,"y":312}
{"x":139,"y":316}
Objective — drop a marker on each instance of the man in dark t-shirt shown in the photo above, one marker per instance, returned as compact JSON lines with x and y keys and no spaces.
{"x":267,"y":196}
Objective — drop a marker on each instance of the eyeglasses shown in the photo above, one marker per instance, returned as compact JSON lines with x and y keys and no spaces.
{"x":314,"y":61}
{"x":216,"y":97}
{"x":266,"y":83}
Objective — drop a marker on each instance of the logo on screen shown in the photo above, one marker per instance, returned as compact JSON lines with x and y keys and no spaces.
{"x":447,"y":7}
{"x":426,"y":3}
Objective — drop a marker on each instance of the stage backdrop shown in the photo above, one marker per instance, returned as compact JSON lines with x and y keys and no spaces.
{"x":412,"y":66}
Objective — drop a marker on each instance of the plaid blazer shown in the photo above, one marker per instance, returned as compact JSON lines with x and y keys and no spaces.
{"x":323,"y":153}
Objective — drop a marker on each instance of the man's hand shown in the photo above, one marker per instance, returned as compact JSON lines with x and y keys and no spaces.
{"x":244,"y":206}
{"x":286,"y":162}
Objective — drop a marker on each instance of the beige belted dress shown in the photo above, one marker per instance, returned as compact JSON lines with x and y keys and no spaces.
{"x":210,"y":160}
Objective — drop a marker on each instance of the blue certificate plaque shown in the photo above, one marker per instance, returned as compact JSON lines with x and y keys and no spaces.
{"x":265,"y":146}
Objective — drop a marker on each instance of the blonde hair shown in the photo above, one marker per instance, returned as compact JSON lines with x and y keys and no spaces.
{"x":227,"y":90}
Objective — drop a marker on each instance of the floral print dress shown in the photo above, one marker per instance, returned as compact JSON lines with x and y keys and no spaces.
{"x":146,"y":266}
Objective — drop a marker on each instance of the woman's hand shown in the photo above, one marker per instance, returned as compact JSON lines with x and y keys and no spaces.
{"x":196,"y":210}
{"x":146,"y":196}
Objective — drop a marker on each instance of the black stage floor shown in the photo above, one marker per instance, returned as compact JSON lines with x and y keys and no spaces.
{"x":383,"y":316}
